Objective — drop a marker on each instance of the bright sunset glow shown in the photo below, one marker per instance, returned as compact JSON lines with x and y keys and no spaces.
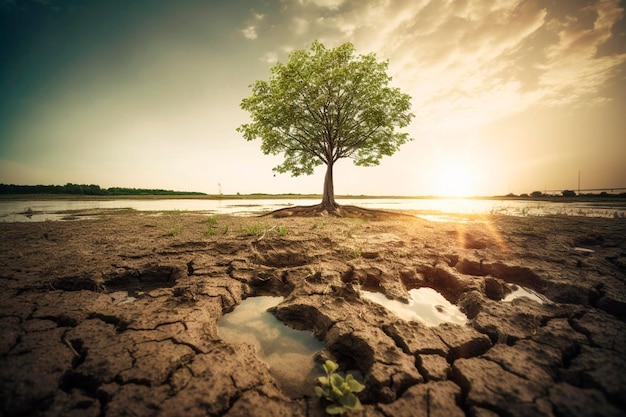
{"x":455,"y":181}
{"x":523,"y":93}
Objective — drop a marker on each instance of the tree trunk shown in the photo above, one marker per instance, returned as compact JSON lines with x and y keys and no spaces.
{"x":328,"y":199}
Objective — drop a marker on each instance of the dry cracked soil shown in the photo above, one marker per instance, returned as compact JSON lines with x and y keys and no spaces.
{"x":116,"y":314}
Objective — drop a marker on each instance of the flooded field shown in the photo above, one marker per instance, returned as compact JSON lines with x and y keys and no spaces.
{"x":427,"y":208}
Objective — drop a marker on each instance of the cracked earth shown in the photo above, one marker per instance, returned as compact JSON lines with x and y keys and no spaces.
{"x":116,"y":314}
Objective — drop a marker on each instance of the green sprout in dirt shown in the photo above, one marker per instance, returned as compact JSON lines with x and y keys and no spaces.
{"x":174,"y":232}
{"x":318,"y":224}
{"x":339,"y":391}
{"x":212,"y":229}
{"x":255,"y":229}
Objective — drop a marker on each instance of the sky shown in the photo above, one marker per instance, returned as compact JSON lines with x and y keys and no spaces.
{"x":509,"y":96}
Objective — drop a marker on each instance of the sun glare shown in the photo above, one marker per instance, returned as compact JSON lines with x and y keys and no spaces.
{"x":455,"y":181}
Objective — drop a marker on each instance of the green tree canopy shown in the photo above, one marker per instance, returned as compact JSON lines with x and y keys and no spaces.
{"x":324,"y":105}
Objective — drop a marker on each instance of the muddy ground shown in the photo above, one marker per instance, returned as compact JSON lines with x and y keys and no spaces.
{"x":115,"y":314}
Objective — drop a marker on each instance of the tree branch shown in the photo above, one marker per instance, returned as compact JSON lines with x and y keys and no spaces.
{"x":303,"y":143}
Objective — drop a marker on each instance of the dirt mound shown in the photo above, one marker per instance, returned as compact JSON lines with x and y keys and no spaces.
{"x":340,"y":211}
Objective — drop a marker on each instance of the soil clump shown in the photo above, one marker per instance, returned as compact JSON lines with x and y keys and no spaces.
{"x":116,"y":314}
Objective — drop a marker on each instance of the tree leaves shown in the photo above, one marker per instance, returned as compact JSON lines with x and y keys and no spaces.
{"x":326,"y":104}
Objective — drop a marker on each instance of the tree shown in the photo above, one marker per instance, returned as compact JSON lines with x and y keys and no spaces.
{"x":324,"y":105}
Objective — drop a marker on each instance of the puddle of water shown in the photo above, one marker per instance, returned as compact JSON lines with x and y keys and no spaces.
{"x":289,"y":353}
{"x":519,"y":292}
{"x":426,"y":305}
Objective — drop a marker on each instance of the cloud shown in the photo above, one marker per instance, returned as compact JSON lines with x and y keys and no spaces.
{"x":573,"y":69}
{"x":249,"y":32}
{"x":270,"y":58}
{"x":327,"y":4}
{"x":300,"y":25}
{"x":468,"y":63}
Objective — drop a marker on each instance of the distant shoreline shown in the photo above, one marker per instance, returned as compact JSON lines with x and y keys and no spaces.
{"x":260,"y":196}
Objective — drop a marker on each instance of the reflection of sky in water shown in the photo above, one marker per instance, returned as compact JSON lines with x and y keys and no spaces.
{"x":288,"y":352}
{"x":431,"y":209}
{"x":519,"y":292}
{"x":426,"y":305}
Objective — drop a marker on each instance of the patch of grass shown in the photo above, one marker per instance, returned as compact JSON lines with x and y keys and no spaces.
{"x":184,"y":361}
{"x":262,"y":230}
{"x":318,"y":224}
{"x":355,"y":252}
{"x":352,"y":252}
{"x":174,"y":232}
{"x":212,"y":229}
{"x":255,"y":229}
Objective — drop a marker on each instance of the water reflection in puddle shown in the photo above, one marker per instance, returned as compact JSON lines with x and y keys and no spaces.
{"x":426,"y":305}
{"x":442,"y":218}
{"x":519,"y":292}
{"x":289,"y":353}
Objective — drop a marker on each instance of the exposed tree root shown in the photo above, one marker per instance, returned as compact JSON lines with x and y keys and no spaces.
{"x":319,"y":210}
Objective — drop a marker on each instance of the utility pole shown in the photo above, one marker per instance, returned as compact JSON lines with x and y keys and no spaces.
{"x":579,"y":182}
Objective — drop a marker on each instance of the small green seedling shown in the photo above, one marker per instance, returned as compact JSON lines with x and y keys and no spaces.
{"x":339,"y":391}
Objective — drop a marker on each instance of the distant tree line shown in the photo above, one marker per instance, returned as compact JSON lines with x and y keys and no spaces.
{"x":568,"y":193}
{"x":84,"y":189}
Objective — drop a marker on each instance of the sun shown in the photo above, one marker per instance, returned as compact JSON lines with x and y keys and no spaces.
{"x":455,"y":180}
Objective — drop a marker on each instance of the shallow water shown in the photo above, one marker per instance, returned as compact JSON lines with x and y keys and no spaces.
{"x":426,"y":305}
{"x":429,"y":209}
{"x":519,"y":292}
{"x":289,"y":353}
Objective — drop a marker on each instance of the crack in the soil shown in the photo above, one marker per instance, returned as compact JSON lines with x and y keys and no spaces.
{"x":155,"y":327}
{"x":420,"y":368}
{"x":183,"y":363}
{"x":61,"y":320}
{"x":191,"y":346}
{"x":119,"y":324}
{"x":168,"y":323}
{"x":3,"y":316}
{"x":230,"y":272}
{"x":87,"y":384}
